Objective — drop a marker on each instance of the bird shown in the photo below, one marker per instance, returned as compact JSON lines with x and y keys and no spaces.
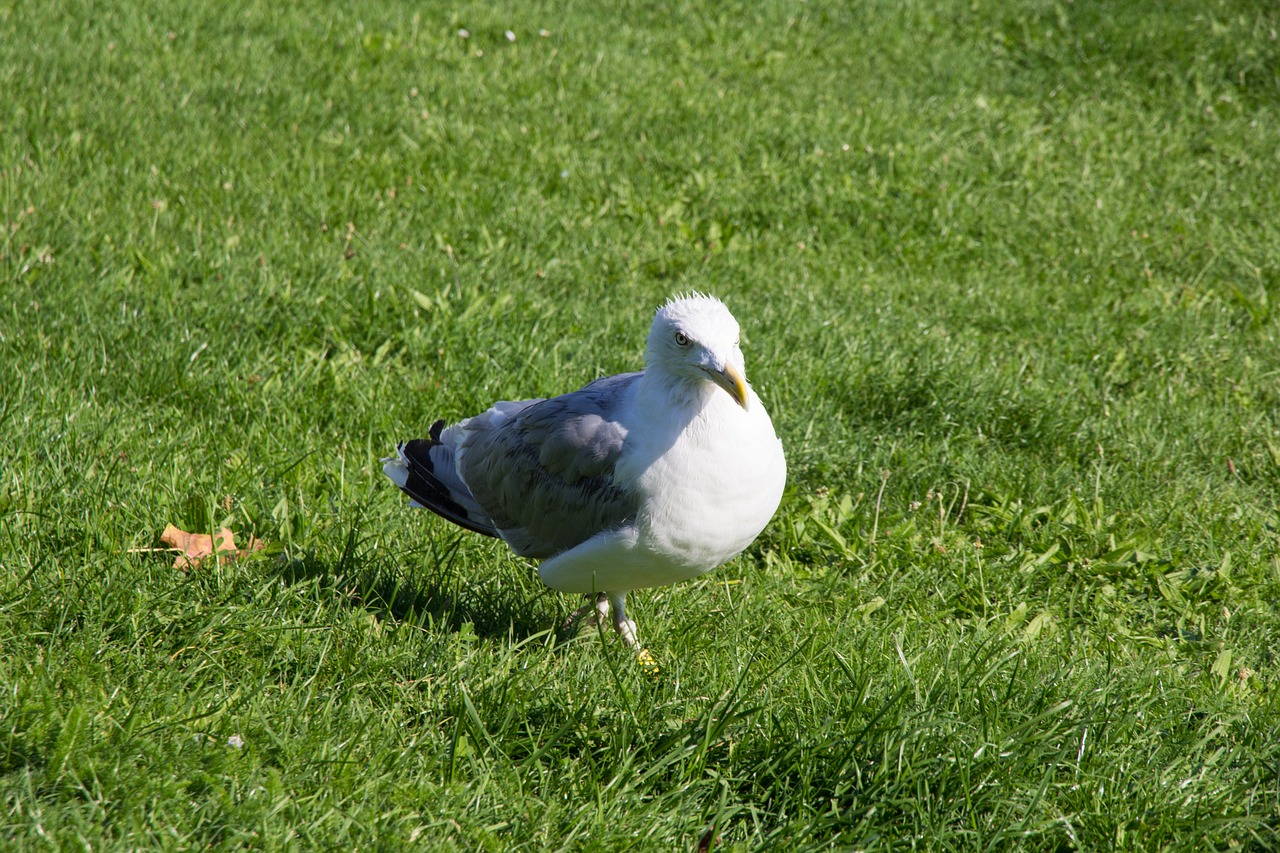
{"x":633,"y":481}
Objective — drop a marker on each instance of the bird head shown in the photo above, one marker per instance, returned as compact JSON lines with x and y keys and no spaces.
{"x":694,"y":339}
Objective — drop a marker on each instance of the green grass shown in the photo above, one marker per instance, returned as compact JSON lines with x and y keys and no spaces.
{"x":1008,"y":275}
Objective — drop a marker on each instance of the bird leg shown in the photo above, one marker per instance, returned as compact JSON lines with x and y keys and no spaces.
{"x":627,"y":630}
{"x":624,"y":626}
{"x":597,"y":610}
{"x":594,"y":612}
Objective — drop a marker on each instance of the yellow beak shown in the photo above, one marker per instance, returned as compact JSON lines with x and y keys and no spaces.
{"x":732,"y":381}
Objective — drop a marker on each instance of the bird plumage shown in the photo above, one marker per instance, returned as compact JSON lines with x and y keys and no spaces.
{"x":636,"y":480}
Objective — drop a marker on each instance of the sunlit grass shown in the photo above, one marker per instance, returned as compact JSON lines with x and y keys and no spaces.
{"x":1007,"y":277}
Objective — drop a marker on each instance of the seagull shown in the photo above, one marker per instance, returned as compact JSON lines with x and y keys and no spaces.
{"x":637,"y":480}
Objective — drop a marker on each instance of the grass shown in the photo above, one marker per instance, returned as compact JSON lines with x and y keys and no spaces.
{"x":1008,"y":276}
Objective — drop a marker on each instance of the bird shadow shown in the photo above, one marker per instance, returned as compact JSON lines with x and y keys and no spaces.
{"x":443,"y":599}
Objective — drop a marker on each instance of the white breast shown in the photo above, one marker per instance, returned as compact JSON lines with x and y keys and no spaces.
{"x":710,"y":495}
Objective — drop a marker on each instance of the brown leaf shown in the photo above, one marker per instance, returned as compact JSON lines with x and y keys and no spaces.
{"x":195,"y":547}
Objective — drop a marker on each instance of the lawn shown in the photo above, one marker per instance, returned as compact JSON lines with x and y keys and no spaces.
{"x":1009,"y":282}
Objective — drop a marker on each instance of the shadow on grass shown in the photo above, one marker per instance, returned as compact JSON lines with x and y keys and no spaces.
{"x":445,"y":598}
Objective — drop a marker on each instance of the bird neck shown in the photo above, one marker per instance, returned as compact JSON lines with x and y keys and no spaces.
{"x":665,"y":389}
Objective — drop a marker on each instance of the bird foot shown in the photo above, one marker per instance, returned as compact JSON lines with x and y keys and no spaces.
{"x":599,"y":608}
{"x":594,"y":612}
{"x":627,"y":630}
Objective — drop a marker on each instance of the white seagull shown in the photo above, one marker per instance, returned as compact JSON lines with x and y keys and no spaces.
{"x":636,"y":480}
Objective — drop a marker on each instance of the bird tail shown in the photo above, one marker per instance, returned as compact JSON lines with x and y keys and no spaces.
{"x":425,"y":469}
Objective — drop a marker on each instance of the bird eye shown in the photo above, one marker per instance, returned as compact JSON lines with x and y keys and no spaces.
{"x":682,"y":339}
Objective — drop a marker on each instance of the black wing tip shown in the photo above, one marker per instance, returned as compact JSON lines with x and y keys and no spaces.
{"x":422,"y":484}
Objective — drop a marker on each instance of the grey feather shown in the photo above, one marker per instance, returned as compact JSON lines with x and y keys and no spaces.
{"x":544,"y":472}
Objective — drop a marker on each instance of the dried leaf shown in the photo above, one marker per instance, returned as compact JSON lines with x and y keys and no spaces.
{"x":195,"y":547}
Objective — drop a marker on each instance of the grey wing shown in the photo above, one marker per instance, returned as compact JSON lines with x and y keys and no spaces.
{"x":543,"y":470}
